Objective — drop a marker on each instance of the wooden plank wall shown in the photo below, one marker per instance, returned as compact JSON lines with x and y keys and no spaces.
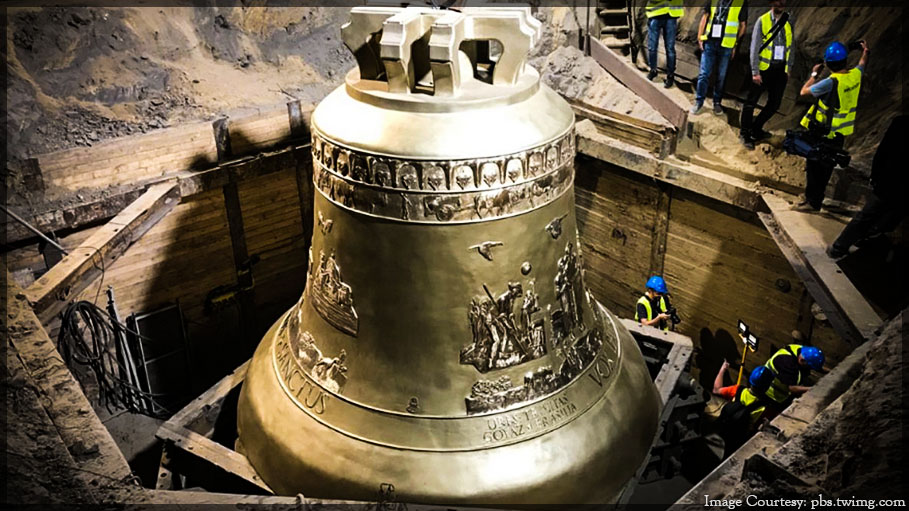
{"x":720,"y":265}
{"x":274,"y":231}
{"x":130,"y":159}
{"x":140,"y":157}
{"x":259,"y":132}
{"x":615,"y":216}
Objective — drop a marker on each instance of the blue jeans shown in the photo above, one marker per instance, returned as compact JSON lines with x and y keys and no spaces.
{"x":668,"y":26}
{"x":713,"y":53}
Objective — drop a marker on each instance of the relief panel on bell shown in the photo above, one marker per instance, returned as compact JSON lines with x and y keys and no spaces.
{"x":331,"y":297}
{"x":501,"y":337}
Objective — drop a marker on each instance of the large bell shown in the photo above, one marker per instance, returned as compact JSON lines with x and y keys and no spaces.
{"x":445,"y":343}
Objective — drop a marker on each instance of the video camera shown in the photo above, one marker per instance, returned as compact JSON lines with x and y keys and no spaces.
{"x":814,"y":146}
{"x":673,"y":314}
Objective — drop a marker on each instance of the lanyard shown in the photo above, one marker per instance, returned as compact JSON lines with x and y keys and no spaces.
{"x":722,"y":11}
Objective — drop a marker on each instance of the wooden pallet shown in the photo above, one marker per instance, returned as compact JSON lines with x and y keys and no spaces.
{"x":188,"y":443}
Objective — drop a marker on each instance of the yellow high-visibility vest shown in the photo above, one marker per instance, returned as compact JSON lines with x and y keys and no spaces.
{"x":746,"y":398}
{"x":646,"y":303}
{"x":674,"y":8}
{"x":848,"y":85}
{"x":778,"y":390}
{"x":731,"y":29}
{"x":767,"y":53}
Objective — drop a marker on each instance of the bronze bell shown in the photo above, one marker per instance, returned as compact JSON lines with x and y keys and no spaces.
{"x":445,"y":343}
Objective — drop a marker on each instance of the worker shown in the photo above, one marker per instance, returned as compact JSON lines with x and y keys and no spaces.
{"x":792,"y":365}
{"x":743,"y":406}
{"x":723,"y":23}
{"x":885,"y":206}
{"x":837,"y":95}
{"x":771,"y":60}
{"x":663,"y":16}
{"x":654,"y":300}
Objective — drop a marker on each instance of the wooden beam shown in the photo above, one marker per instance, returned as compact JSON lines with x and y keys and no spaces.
{"x":245,"y":291}
{"x":176,"y":430}
{"x":222,"y":139}
{"x":93,"y":450}
{"x":49,"y":294}
{"x":659,"y":140}
{"x":298,"y":122}
{"x":305,"y":193}
{"x":619,"y":67}
{"x":660,"y":232}
{"x":800,"y":241}
{"x":32,"y":177}
{"x":702,"y":181}
{"x":190,"y":183}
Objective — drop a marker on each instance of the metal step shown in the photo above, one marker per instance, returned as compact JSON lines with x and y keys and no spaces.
{"x":613,"y":12}
{"x":615,"y":42}
{"x":615,"y":30}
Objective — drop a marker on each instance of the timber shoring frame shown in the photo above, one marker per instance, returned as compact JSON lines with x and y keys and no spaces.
{"x":849,"y":313}
{"x":69,"y":277}
{"x":619,"y":67}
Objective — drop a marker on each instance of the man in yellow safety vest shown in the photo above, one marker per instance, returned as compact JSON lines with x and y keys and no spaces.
{"x":792,"y":365}
{"x":723,"y":23}
{"x":651,"y":308}
{"x":771,"y":60}
{"x":833,"y":115}
{"x":663,"y":16}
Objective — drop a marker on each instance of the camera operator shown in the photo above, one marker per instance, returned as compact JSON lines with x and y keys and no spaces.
{"x":653,"y":308}
{"x":885,"y":206}
{"x":832,"y":117}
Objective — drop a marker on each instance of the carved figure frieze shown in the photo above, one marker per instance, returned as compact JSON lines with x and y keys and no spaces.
{"x":407,"y":177}
{"x":501,"y":337}
{"x":570,"y":294}
{"x":463,"y":176}
{"x":331,"y":297}
{"x":489,"y":172}
{"x":580,"y":354}
{"x":498,"y":394}
{"x":435,"y":177}
{"x":428,"y":206}
{"x":487,"y":396}
{"x":330,"y":372}
{"x":442,"y":176}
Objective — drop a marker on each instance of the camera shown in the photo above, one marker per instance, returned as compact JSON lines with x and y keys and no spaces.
{"x":813,"y":146}
{"x":673,"y":314}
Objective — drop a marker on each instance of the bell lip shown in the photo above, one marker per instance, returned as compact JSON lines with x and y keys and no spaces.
{"x":645,"y":411}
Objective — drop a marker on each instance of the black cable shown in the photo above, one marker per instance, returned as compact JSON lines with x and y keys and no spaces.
{"x":88,"y":337}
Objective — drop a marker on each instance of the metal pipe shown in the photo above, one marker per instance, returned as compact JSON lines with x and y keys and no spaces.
{"x":32,"y":228}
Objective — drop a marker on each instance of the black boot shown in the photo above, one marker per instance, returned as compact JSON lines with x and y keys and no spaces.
{"x":747,"y":140}
{"x":652,"y":74}
{"x":669,"y":81}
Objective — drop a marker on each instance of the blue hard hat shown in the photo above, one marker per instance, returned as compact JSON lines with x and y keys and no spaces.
{"x":761,"y":378}
{"x":657,"y":284}
{"x":813,"y":357}
{"x":835,"y":52}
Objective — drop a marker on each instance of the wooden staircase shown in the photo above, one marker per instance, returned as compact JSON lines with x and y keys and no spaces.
{"x":615,"y":25}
